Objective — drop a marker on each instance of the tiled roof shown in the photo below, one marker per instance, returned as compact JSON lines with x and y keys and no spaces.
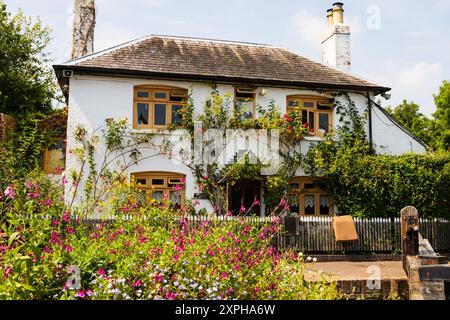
{"x":192,"y":58}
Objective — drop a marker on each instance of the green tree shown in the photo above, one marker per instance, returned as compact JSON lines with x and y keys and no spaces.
{"x":27,"y":83}
{"x":441,"y":125}
{"x":407,"y":113}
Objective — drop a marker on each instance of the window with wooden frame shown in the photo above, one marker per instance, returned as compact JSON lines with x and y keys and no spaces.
{"x":54,"y":157}
{"x":316,"y":113}
{"x":157,"y":107}
{"x":160,"y":185}
{"x":245,"y":102}
{"x":307,"y":198}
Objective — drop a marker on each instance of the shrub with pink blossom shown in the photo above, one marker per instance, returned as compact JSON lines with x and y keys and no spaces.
{"x":156,"y":255}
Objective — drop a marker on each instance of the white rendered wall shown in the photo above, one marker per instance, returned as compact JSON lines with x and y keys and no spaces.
{"x":94,"y":99}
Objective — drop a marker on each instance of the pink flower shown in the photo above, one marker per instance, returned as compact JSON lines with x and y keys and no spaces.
{"x":257,"y":290}
{"x":137,"y":283}
{"x":158,"y":278}
{"x":55,"y":223}
{"x":196,"y":203}
{"x":256,"y":202}
{"x":242,"y":209}
{"x":282,"y":203}
{"x":171,"y":296}
{"x":69,"y":248}
{"x":89,"y":292}
{"x":101,"y":272}
{"x":55,"y":238}
{"x":9,"y":192}
{"x":249,"y":240}
{"x":262,"y":236}
{"x":8,"y":271}
{"x":143,"y":239}
{"x":224,"y":275}
{"x":80,"y":294}
{"x":66,"y":216}
{"x":178,"y":188}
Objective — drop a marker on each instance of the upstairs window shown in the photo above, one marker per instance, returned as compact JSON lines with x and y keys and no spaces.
{"x":157,"y":108}
{"x":316,"y":113}
{"x":307,"y":198}
{"x":245,"y":103}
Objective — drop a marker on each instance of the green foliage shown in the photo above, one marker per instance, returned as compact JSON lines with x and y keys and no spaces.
{"x":442,"y":117}
{"x":22,"y":151}
{"x":26,"y":81}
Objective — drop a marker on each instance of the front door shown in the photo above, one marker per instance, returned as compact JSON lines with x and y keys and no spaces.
{"x":242,"y":196}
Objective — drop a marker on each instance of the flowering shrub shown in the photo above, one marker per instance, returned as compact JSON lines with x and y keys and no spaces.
{"x":156,"y":255}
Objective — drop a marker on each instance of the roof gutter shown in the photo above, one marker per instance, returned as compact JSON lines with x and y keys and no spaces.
{"x":79,"y":70}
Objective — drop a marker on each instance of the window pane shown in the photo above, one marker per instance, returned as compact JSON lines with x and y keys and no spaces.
{"x":158,"y":195}
{"x":325,"y":205}
{"x":311,"y":121}
{"x":309,"y":185}
{"x":160,"y":114}
{"x":160,"y":95}
{"x":309,"y":204}
{"x":141,"y":182}
{"x":293,"y":103}
{"x":304,"y":117}
{"x":142,"y":113}
{"x":294,"y":203}
{"x":143,"y":94}
{"x":158,"y":182}
{"x":175,"y":197}
{"x":324,"y":122}
{"x":176,"y":114}
{"x":246,"y":109}
{"x":308,"y":104}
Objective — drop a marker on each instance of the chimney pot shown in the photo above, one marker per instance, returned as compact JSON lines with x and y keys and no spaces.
{"x":330,"y":17}
{"x":338,"y":12}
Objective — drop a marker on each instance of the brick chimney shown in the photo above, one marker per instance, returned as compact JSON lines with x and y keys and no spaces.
{"x":83,"y":28}
{"x":336,"y":42}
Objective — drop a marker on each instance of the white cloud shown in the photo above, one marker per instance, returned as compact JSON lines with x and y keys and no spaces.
{"x":309,"y":29}
{"x":108,"y":35}
{"x":355,"y":24}
{"x":151,"y":3}
{"x":418,"y":83}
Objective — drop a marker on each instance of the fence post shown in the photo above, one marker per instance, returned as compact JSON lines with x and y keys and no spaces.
{"x":409,"y":223}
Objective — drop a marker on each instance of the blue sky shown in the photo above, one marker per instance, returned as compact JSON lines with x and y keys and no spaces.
{"x":407,"y":48}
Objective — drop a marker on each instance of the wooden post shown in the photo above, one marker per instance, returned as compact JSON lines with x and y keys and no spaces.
{"x":410,"y":231}
{"x":409,"y":224}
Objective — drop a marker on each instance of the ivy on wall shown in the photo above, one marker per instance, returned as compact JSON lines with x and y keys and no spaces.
{"x":369,"y":185}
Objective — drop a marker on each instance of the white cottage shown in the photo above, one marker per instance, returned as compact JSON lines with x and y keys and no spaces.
{"x":146,"y":80}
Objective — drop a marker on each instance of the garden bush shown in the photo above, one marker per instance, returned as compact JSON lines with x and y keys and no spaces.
{"x":368,"y":185}
{"x":55,"y":255}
